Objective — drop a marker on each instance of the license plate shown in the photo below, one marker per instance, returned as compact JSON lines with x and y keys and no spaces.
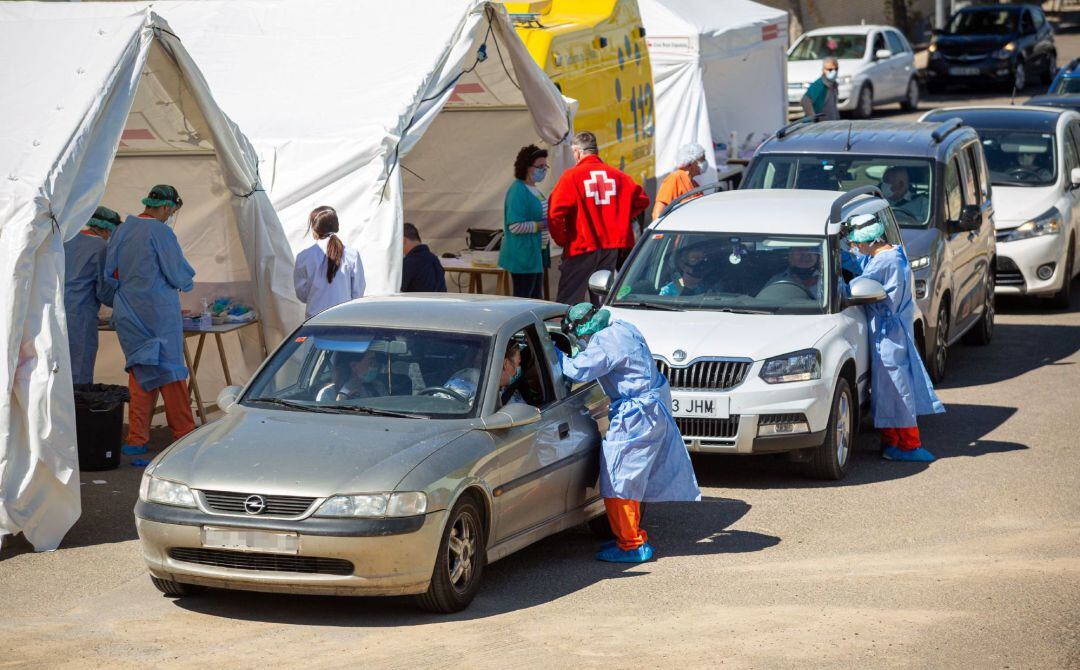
{"x":964,"y":71}
{"x":700,"y":406}
{"x":250,"y":540}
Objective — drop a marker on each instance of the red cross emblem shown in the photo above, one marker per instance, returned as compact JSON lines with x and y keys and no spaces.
{"x":599,"y":187}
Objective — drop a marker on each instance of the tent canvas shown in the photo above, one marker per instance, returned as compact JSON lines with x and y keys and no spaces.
{"x":718,"y":68}
{"x":411,"y":110}
{"x":122,"y":100}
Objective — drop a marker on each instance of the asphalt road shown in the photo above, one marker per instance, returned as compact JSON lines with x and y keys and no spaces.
{"x":972,"y":561}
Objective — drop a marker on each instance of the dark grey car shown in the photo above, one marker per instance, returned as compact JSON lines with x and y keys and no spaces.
{"x":945,"y":213}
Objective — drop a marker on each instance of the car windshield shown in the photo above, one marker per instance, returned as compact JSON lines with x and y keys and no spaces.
{"x":1019,"y":158}
{"x":906,"y":182}
{"x":817,"y":47}
{"x":380,"y":371}
{"x":738,"y":272}
{"x":984,"y":22}
{"x":1066,"y":86}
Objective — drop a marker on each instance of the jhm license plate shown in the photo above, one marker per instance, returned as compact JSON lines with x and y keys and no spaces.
{"x":250,"y":540}
{"x":963,"y":71}
{"x":700,"y":406}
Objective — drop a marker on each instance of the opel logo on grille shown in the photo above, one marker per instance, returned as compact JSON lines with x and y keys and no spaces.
{"x":254,"y":505}
{"x":679,"y":355}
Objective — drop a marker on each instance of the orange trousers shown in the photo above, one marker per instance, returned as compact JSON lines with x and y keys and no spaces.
{"x":141,"y":410}
{"x":625,"y":519}
{"x":905,"y":438}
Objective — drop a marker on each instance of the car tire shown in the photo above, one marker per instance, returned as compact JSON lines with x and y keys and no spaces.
{"x":1063,"y":298}
{"x":938,"y":357}
{"x":983,"y":331}
{"x":1051,"y":69}
{"x":1019,"y":81}
{"x":460,"y":561}
{"x":864,"y":105}
{"x":832,"y":459}
{"x":174,"y":589}
{"x":910,"y":103}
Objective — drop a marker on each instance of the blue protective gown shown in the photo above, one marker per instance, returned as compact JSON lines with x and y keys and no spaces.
{"x":643,"y":455}
{"x":85,"y":290}
{"x":900,"y":387}
{"x":146,"y":308}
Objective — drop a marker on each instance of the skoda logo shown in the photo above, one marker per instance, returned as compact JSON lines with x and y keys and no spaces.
{"x":679,"y":355}
{"x":254,"y":505}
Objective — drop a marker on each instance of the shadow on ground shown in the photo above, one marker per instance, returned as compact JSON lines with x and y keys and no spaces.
{"x":548,"y":570}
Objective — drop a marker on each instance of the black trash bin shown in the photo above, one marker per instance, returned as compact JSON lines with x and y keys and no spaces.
{"x":99,"y":422}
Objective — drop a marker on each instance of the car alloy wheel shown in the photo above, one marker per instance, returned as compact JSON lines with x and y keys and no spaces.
{"x":830,"y":460}
{"x":1051,"y":68}
{"x":843,"y":430}
{"x":1063,"y":298}
{"x":912,"y":101}
{"x":864,"y":108}
{"x":1020,"y":77}
{"x":461,"y":552}
{"x":941,"y":346}
{"x":459,"y":561}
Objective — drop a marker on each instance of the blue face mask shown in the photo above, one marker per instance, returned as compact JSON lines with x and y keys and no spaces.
{"x":539,"y":174}
{"x":831,"y":75}
{"x":516,"y":376}
{"x":370,"y":375}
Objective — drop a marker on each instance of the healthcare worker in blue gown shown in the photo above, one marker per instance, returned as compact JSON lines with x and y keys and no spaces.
{"x":900,"y":387}
{"x":643,"y":456}
{"x":85,"y":290}
{"x":148,"y":270}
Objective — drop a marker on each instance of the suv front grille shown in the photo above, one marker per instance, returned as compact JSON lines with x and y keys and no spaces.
{"x":1007,"y":274}
{"x":710,"y":429}
{"x":233,"y":503}
{"x":705,"y":375}
{"x":243,"y":560}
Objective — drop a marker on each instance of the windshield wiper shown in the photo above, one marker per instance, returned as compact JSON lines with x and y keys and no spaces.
{"x":361,"y":409}
{"x":739,"y":310}
{"x":291,"y":404}
{"x":649,"y":305}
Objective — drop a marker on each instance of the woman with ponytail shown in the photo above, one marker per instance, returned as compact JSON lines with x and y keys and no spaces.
{"x":327,"y":273}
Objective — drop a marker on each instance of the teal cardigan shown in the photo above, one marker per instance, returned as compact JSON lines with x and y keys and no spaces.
{"x":521,"y":253}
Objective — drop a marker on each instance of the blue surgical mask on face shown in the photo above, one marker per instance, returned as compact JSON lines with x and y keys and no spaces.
{"x":516,"y":376}
{"x":539,"y":174}
{"x":831,"y":75}
{"x":370,"y":375}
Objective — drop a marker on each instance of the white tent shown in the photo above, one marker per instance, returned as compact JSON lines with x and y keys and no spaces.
{"x":410,"y":110}
{"x":719,"y":66}
{"x":104,"y":101}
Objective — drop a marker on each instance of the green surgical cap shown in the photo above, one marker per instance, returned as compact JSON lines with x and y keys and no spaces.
{"x":104,"y":218}
{"x":866,"y":228}
{"x":586,"y":320}
{"x":162,"y":194}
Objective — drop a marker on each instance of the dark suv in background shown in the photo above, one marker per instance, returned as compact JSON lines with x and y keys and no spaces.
{"x":935,"y":177}
{"x":1005,"y":44}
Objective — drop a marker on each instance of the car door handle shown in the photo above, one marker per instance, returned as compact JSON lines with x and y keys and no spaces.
{"x":564,"y":431}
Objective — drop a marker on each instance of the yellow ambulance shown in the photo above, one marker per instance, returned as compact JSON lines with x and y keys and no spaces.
{"x":594,"y":51}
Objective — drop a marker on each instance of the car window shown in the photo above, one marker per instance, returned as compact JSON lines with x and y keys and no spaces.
{"x":896,"y":45}
{"x":879,"y":43}
{"x":1040,"y":19}
{"x":1074,"y":130}
{"x":1026,"y":25}
{"x":968,"y":177}
{"x":1065,"y":85}
{"x":1072,"y":156}
{"x":907,"y":182}
{"x":1019,"y":157}
{"x":953,"y":197}
{"x":983,"y":22}
{"x":817,"y":47}
{"x":892,"y":230}
{"x":533,"y":383}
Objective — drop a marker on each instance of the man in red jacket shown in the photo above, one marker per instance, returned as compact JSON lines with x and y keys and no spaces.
{"x":590,"y":214}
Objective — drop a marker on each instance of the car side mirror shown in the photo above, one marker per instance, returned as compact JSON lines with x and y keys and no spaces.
{"x":863,"y":291}
{"x":1074,"y":177}
{"x":882,"y":54}
{"x":970,"y":219}
{"x":601,"y":281}
{"x":510,"y":416}
{"x":226,"y":400}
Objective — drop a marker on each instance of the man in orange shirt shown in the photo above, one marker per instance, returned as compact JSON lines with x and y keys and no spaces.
{"x":691,"y":163}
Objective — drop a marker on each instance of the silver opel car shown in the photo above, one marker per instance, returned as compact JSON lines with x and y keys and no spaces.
{"x":381,"y":450}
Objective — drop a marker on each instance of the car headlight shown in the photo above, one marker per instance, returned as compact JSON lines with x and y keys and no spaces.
{"x":166,"y":492}
{"x":798,"y":366}
{"x":1048,"y":223}
{"x":409,"y":503}
{"x":845,"y":80}
{"x":932,"y":48}
{"x":920,"y":262}
{"x":1005,"y":52}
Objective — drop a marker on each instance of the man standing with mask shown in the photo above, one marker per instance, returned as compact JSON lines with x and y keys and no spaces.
{"x":591,"y":213}
{"x":148,"y":270}
{"x":690,"y":163}
{"x":820,"y":98}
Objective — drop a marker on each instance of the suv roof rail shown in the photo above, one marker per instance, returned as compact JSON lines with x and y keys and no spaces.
{"x":792,"y":127}
{"x":715,"y":186}
{"x":944,"y":129}
{"x":836,"y":213}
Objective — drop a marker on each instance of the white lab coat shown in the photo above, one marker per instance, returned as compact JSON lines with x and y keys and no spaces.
{"x":309,"y":277}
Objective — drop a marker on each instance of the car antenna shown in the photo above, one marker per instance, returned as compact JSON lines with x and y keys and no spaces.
{"x":847,"y":144}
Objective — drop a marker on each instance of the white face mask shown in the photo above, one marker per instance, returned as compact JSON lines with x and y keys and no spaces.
{"x":703,"y":166}
{"x":831,"y":75}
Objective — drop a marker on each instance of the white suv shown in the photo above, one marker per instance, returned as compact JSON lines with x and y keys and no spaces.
{"x":740,"y":297}
{"x":876,"y":66}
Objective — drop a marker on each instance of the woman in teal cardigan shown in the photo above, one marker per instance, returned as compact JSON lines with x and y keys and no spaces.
{"x":524,"y":250}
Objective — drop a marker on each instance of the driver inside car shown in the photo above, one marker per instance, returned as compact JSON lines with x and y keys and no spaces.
{"x":804,"y":270}
{"x":355,"y":376}
{"x":896,"y":183}
{"x":693,"y":267}
{"x":465,"y":381}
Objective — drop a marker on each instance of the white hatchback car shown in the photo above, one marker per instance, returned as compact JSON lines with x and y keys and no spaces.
{"x":739,"y":295}
{"x":1033,"y":157}
{"x":876,"y":66}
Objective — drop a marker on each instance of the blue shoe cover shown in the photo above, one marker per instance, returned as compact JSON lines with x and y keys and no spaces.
{"x":140,"y":462}
{"x":616,"y":555}
{"x":133,"y":450}
{"x":919,"y":455}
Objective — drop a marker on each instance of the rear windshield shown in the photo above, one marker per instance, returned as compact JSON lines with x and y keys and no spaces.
{"x":906,"y":182}
{"x":984,"y":22}
{"x":817,"y":47}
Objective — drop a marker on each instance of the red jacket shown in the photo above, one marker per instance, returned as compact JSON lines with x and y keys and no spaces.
{"x":592,"y":208}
